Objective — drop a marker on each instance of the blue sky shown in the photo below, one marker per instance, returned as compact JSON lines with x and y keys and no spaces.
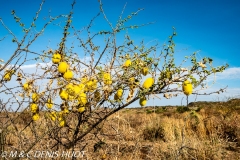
{"x":211,"y":26}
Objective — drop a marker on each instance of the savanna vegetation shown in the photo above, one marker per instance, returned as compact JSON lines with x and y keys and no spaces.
{"x":77,"y":101}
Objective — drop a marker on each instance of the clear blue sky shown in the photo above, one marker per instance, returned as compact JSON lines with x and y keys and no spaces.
{"x":211,"y":26}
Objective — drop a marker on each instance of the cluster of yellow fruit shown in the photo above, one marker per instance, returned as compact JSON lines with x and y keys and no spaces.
{"x":144,"y":68}
{"x":8,"y":75}
{"x":59,"y":116}
{"x":107,"y":79}
{"x":133,"y":82}
{"x":73,"y":91}
{"x":34,"y":106}
{"x":148,"y":83}
{"x":187,"y":87}
{"x":63,"y":67}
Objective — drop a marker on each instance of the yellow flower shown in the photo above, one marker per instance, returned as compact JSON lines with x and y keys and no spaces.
{"x":144,"y":71}
{"x":187,"y":87}
{"x":26,"y":86}
{"x":88,"y":86}
{"x":77,"y":89}
{"x":127,"y":63}
{"x":35,"y":117}
{"x":64,"y":95}
{"x":68,"y":75}
{"x":34,"y":108}
{"x":82,"y":99}
{"x":148,"y":83}
{"x":94,"y":84}
{"x":63,"y":66}
{"x":49,"y":104}
{"x":7,"y":77}
{"x":65,"y":110}
{"x":81,"y":109}
{"x":91,"y":85}
{"x":56,"y":58}
{"x":60,"y":116}
{"x":35,"y":97}
{"x":107,"y":79}
{"x":81,"y":86}
{"x":70,"y":89}
{"x":118,"y":95}
{"x":53,"y":116}
{"x":143,"y":101}
{"x":62,"y":123}
{"x":8,"y":74}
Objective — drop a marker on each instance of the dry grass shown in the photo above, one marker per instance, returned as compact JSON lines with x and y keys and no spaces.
{"x":206,"y":131}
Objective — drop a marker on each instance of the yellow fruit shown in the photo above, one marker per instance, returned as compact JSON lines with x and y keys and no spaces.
{"x":25,"y":86}
{"x":60,"y":116}
{"x":131,"y":82}
{"x":148,"y":83}
{"x":53,"y":116}
{"x":56,"y":58}
{"x":81,"y":109}
{"x":35,"y":97}
{"x":143,"y":101}
{"x":34,"y":108}
{"x":35,"y":117}
{"x":49,"y":104}
{"x":94,"y":84}
{"x":71,"y":98}
{"x":118,"y":94}
{"x":64,"y":95}
{"x":8,"y":74}
{"x":88,"y":86}
{"x":68,"y":75}
{"x":107,"y":79}
{"x":144,"y":71}
{"x":91,"y":85}
{"x":187,"y":87}
{"x":70,"y":89}
{"x":82,"y":99}
{"x":7,"y":77}
{"x":97,"y":96}
{"x":63,"y":66}
{"x":77,"y":89}
{"x":81,"y":86}
{"x":132,"y":79}
{"x":62,"y":123}
{"x":127,"y":63}
{"x":65,"y":111}
{"x":84,"y":80}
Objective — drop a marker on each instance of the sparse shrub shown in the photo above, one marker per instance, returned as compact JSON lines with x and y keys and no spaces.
{"x":82,"y":78}
{"x":182,"y":109}
{"x":149,"y":111}
{"x":198,"y":108}
{"x":154,"y":133}
{"x":160,"y":110}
